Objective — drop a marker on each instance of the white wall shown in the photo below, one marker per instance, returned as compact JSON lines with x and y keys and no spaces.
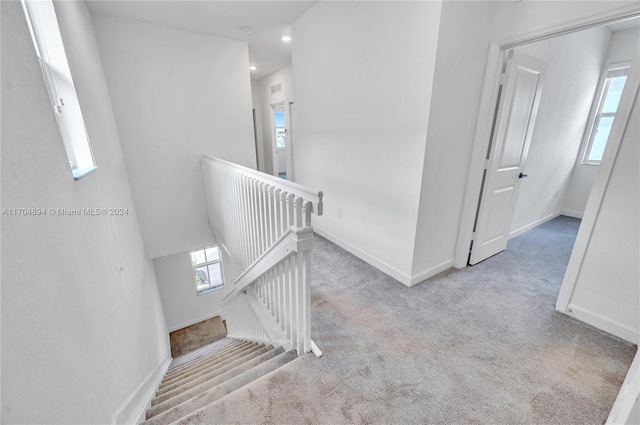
{"x":466,"y":29}
{"x":462,"y":50}
{"x":463,"y":43}
{"x":607,"y":288}
{"x":176,"y":95}
{"x":182,"y":306}
{"x":574,"y":65}
{"x":621,"y":48}
{"x":78,"y":294}
{"x":256,"y":105}
{"x":362,"y":78}
{"x":262,"y":94}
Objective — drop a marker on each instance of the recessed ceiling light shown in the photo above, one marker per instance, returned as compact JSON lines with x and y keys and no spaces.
{"x":253,"y":67}
{"x":246,"y":30}
{"x":286,"y":38}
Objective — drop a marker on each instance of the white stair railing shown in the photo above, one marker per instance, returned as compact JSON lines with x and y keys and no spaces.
{"x":264,"y":224}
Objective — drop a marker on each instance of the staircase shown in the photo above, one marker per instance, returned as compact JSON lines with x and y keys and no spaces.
{"x":200,"y":380}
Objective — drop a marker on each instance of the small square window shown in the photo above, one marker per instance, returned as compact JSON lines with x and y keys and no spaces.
{"x":207,"y":269}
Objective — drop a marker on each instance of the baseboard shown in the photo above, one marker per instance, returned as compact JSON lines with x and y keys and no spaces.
{"x":530,"y":226}
{"x":198,"y":320}
{"x":594,"y":319}
{"x":574,"y":214}
{"x":365,"y":256}
{"x":383,"y":266}
{"x":426,"y":274}
{"x":132,"y":411}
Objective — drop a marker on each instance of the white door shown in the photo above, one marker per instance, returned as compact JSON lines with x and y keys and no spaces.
{"x":505,"y":167}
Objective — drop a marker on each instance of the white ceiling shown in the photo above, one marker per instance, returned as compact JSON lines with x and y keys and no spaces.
{"x":268,"y":21}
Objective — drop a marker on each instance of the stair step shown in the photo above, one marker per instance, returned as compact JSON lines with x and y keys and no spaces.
{"x":178,"y":380}
{"x":228,"y":349}
{"x":206,"y":357}
{"x":204,"y":376}
{"x":201,"y":398}
{"x":201,"y":352}
{"x":212,"y":412}
{"x":204,"y":363}
{"x":195,"y":391}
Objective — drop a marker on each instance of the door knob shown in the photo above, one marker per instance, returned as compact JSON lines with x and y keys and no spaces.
{"x":522,"y":175}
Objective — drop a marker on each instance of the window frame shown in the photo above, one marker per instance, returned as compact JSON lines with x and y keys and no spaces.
{"x":47,"y":38}
{"x":611,"y":72}
{"x":207,"y":263}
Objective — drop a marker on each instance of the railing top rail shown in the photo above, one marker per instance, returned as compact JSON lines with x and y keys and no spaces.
{"x":312,"y":195}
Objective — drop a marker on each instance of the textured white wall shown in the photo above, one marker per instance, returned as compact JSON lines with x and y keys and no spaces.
{"x":182,"y":307}
{"x":362,"y":75}
{"x":176,"y":95}
{"x":255,"y":103}
{"x":463,"y":43}
{"x":78,"y":294}
{"x":621,"y":48}
{"x":574,"y":65}
{"x":608,"y":284}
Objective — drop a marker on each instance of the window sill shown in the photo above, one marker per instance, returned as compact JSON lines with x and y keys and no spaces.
{"x":79,"y":173}
{"x":590,"y":163}
{"x":206,"y":291}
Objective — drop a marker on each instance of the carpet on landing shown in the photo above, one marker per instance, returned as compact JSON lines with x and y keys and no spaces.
{"x":198,"y":335}
{"x":480,"y":345}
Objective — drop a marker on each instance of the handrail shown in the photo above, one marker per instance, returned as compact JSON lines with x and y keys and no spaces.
{"x":264,"y":224}
{"x":291,"y":242}
{"x":315,"y":196}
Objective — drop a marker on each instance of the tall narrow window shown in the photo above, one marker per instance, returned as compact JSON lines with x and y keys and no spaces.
{"x":207,"y":269}
{"x":45,"y":32}
{"x":605,"y":113}
{"x":281,"y":135}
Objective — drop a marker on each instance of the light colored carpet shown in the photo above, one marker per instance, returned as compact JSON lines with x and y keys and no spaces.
{"x":482,"y":345}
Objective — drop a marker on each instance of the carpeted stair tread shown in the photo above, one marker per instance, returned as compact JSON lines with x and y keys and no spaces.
{"x":217,"y":353}
{"x":204,"y":398}
{"x":205,"y":375}
{"x":191,"y":391}
{"x":206,"y":358}
{"x":207,"y":366}
{"x":206,"y":363}
{"x":214,"y":413}
{"x":207,"y":350}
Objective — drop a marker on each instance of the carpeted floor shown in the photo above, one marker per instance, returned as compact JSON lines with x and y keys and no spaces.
{"x":482,"y":345}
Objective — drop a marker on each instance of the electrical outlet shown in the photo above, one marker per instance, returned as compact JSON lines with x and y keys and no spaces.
{"x":340,"y":212}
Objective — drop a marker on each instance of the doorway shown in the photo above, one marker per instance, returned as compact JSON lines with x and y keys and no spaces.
{"x":522,"y":83}
{"x":499,"y":213}
{"x":582,"y":295}
{"x":279,"y":135}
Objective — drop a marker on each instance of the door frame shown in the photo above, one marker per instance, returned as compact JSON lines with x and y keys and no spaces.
{"x":513,"y":61}
{"x":272,"y":126}
{"x":484,"y":125}
{"x":288,"y":125}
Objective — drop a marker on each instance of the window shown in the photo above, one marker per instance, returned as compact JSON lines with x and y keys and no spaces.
{"x":281,"y":133}
{"x":45,"y":32}
{"x":207,"y":269}
{"x":605,"y":113}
